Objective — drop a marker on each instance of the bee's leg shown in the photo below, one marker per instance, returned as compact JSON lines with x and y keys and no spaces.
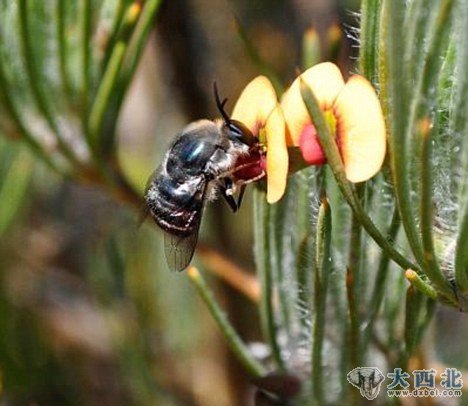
{"x":226,"y":191}
{"x":241,"y":196}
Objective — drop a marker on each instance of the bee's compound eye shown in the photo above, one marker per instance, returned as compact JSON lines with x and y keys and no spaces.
{"x":241,"y":132}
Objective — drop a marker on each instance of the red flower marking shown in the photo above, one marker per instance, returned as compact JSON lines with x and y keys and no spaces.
{"x":309,"y":144}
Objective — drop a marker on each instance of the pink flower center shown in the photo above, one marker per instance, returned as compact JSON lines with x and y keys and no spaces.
{"x":309,"y":144}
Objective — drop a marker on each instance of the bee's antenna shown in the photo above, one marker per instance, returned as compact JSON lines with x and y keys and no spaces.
{"x":220,"y":105}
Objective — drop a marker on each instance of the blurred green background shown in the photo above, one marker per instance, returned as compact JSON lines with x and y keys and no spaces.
{"x":89,"y":313}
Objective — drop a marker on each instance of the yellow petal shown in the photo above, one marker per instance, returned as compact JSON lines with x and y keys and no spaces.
{"x":258,"y":108}
{"x":326,"y":82}
{"x":277,"y":155}
{"x":360,"y":129}
{"x":255,"y":104}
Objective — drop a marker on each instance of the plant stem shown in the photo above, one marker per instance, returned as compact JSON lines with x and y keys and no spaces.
{"x":322,"y":272}
{"x":276,"y":233}
{"x":393,"y":84}
{"x":414,"y":303}
{"x":461,"y":255}
{"x":460,"y":128}
{"x":306,"y":236}
{"x":262,"y":258}
{"x":35,"y":81}
{"x":14,"y":186}
{"x":459,"y":107}
{"x":110,"y":81}
{"x":85,"y":37}
{"x":27,"y":136}
{"x":303,"y":268}
{"x":254,"y":368}
{"x":133,"y":55}
{"x":369,"y":39}
{"x":114,"y":30}
{"x":433,"y":63}
{"x":353,"y":285}
{"x":431,"y":265}
{"x":419,"y":123}
{"x":419,"y":313}
{"x":354,"y":323}
{"x":140,"y":36}
{"x":378,"y":292}
{"x":418,"y":27}
{"x":430,"y":308}
{"x":63,"y":49}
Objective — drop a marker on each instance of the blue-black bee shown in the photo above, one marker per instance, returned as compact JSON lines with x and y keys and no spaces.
{"x":207,"y":159}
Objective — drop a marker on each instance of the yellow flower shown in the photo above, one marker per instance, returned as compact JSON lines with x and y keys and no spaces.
{"x":352,"y":110}
{"x":258,"y":109}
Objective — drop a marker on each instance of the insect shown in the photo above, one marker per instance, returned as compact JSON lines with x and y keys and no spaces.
{"x":206,"y":160}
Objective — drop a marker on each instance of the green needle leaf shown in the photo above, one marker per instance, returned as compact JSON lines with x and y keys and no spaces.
{"x":322,"y":272}
{"x":237,"y":346}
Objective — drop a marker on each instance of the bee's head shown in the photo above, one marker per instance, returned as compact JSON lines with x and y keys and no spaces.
{"x":237,"y":130}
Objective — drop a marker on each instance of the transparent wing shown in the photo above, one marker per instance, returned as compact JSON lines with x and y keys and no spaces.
{"x":179,"y":250}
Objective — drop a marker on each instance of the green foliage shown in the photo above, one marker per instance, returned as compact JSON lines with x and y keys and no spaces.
{"x":65,"y":68}
{"x":69,"y":118}
{"x":330,"y":256}
{"x":15,"y":175}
